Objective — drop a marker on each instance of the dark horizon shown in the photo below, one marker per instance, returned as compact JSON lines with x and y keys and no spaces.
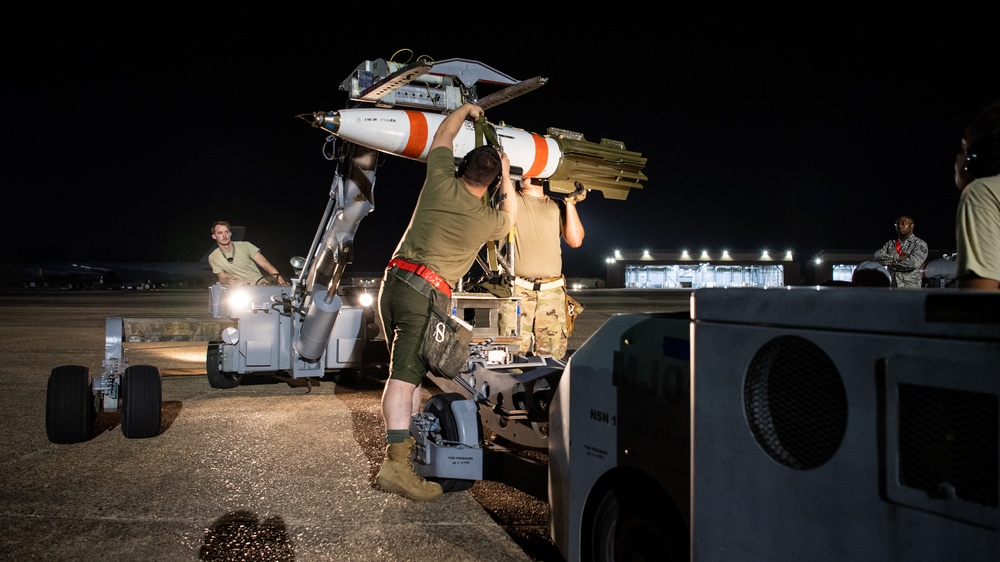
{"x":128,"y":145}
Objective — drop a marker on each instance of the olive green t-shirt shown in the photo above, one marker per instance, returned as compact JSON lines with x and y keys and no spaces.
{"x":242,"y":265}
{"x":538,"y":237}
{"x":977,"y":228}
{"x":449,"y":225}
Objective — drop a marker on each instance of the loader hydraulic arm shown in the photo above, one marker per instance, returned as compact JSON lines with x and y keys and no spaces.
{"x":351,"y":199}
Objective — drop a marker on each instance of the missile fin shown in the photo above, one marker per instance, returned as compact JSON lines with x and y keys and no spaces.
{"x":606,"y":166}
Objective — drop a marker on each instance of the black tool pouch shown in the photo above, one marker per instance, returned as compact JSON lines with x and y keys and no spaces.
{"x":446,"y":340}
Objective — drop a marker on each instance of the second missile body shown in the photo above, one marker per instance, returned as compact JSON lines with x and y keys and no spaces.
{"x":562,"y":157}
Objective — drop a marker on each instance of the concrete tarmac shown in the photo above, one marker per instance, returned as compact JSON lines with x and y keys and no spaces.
{"x":271,"y":471}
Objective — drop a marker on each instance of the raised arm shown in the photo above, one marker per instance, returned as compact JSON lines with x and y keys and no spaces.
{"x":452,"y":124}
{"x":572,"y":228}
{"x":506,"y":201}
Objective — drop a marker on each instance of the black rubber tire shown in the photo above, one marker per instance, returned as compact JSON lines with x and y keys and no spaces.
{"x":140,"y":399}
{"x":632,"y":523}
{"x":440,"y":406}
{"x":213,"y":367}
{"x":70,"y":406}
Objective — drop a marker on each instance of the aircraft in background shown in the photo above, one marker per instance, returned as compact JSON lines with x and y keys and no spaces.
{"x":122,"y":275}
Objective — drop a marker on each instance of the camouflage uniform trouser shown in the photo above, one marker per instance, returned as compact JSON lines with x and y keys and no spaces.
{"x":542,"y":320}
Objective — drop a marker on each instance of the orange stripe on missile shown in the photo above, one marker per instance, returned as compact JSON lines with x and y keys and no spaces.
{"x":418,"y":134}
{"x":541,"y":156}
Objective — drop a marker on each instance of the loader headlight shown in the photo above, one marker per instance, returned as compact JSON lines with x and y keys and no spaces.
{"x":365,"y":299}
{"x":359,"y":292}
{"x":238,"y":300}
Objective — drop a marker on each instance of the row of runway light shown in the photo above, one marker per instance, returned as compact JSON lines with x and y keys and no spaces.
{"x":687,"y":255}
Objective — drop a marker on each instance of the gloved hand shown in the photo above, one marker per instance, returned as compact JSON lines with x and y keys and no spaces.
{"x":579,"y":195}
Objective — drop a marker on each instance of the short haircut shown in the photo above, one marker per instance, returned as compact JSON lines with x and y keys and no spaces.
{"x":482,"y":165}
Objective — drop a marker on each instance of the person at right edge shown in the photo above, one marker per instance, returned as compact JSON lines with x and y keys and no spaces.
{"x":977,"y":221}
{"x":451,"y":222}
{"x":542,"y":223}
{"x":904,"y":255}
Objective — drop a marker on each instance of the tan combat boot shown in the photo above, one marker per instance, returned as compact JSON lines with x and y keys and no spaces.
{"x":397,"y":474}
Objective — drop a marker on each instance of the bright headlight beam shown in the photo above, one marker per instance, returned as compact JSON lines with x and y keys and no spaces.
{"x":239,"y":300}
{"x":365,"y":299}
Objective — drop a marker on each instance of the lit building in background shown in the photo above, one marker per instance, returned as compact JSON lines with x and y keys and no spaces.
{"x":700,"y":268}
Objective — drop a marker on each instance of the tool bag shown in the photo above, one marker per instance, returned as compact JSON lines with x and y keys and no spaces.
{"x":446,"y":339}
{"x":573,"y":309}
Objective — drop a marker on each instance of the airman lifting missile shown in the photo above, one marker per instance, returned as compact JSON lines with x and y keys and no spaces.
{"x":562,"y":157}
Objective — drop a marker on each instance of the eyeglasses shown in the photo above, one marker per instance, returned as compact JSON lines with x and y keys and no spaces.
{"x":899,"y":224}
{"x":230,"y":260}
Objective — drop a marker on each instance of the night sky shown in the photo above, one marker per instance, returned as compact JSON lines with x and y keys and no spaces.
{"x":127,"y":143}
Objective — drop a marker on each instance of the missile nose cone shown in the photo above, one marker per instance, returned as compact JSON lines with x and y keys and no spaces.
{"x":326,"y":120}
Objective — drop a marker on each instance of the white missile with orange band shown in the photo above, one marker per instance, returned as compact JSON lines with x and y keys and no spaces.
{"x":562,"y":157}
